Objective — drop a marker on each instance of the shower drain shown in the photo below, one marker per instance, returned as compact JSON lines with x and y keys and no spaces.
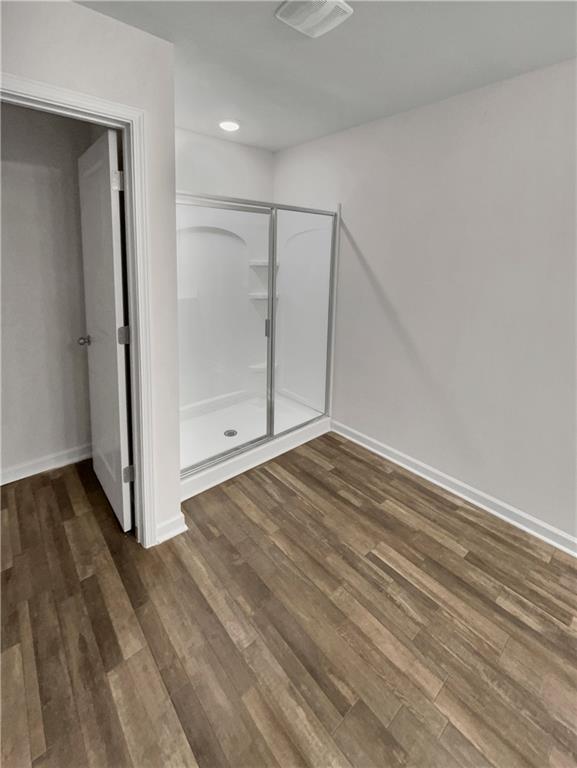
{"x":230,"y":432}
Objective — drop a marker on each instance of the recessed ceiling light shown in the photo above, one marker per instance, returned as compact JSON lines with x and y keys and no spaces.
{"x":229,"y":125}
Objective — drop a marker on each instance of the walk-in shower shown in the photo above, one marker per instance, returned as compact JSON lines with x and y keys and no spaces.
{"x":254,"y":311}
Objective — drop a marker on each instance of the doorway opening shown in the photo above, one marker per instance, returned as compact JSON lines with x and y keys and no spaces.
{"x":66,"y":355}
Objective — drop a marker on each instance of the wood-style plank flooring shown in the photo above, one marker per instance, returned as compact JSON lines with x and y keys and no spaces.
{"x":325,"y":609}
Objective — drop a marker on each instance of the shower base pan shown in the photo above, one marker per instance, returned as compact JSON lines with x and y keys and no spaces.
{"x":202,"y":436}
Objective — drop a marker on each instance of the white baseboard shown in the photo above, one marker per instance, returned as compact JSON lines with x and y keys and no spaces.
{"x":170,"y":528}
{"x":45,"y":463}
{"x":236,"y":465}
{"x":507,"y":512}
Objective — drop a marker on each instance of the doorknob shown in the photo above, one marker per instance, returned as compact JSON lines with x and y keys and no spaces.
{"x":82,"y":340}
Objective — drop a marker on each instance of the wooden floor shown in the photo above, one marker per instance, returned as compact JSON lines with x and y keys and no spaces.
{"x":325,"y":609}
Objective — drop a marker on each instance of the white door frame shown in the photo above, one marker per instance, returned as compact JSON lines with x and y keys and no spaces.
{"x":132,"y":123}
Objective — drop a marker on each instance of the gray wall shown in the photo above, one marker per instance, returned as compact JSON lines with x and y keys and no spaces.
{"x":455,"y":338}
{"x":45,"y":408}
{"x":210,"y":166}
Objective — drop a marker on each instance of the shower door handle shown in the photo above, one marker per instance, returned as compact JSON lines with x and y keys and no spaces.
{"x":267,"y":327}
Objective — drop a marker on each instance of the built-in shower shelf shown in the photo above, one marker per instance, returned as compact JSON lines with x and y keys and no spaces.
{"x":259,"y":367}
{"x":258,"y":296}
{"x":257,"y":263}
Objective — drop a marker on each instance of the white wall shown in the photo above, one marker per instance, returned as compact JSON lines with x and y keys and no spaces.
{"x":45,"y":409}
{"x":67,"y":45}
{"x":455,"y":338}
{"x":209,"y":166}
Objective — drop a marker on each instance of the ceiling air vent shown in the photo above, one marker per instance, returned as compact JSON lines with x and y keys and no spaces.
{"x":313,"y":17}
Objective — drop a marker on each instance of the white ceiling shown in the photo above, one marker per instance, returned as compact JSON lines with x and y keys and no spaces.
{"x":234,"y":60}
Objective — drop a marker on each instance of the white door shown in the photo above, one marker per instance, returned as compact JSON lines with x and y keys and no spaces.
{"x":103,"y":290}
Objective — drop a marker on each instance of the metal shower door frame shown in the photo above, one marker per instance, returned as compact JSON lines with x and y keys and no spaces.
{"x":254,"y":206}
{"x":271,"y":312}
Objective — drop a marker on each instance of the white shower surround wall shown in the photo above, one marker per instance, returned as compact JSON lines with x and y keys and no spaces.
{"x":222,"y":275}
{"x":224,"y":262}
{"x":221,"y":330}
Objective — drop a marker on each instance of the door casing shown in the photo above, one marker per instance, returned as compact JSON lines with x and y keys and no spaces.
{"x":131,"y":123}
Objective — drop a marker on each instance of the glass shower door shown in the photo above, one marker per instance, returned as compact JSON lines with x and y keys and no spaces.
{"x":303,"y":290}
{"x":223,"y":304}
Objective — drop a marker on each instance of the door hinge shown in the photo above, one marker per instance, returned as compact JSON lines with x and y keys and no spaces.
{"x":124,"y":334}
{"x":117,"y":181}
{"x":267,"y":327}
{"x":128,"y":474}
